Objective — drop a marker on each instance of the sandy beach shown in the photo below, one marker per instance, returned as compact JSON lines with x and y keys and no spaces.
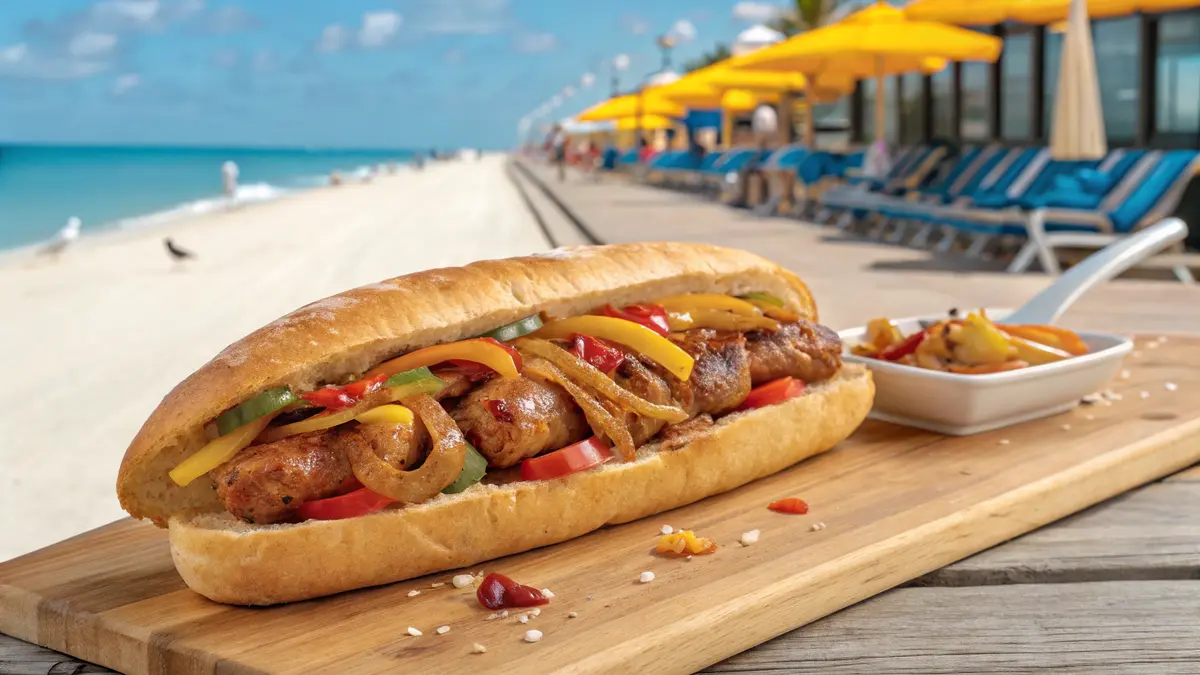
{"x":92,"y":343}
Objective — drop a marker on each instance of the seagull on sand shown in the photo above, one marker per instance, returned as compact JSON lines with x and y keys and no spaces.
{"x":177,"y":253}
{"x":63,"y":239}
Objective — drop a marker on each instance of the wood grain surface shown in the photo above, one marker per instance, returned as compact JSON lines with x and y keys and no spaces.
{"x":896,"y":503}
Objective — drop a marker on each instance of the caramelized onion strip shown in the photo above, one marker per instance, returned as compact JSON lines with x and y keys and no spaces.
{"x":602,"y":422}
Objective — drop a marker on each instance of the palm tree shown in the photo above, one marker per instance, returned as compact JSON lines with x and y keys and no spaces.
{"x":804,"y":15}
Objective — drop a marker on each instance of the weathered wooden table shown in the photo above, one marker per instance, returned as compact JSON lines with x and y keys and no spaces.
{"x":1111,"y":589}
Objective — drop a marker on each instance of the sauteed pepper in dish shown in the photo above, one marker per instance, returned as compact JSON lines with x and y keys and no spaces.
{"x":552,"y":396}
{"x":970,"y":346}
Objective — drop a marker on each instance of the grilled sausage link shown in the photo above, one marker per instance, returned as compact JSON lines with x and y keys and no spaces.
{"x":720,"y":378}
{"x":805,"y":350}
{"x":509,"y":419}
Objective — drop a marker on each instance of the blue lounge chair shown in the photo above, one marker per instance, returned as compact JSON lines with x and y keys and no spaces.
{"x":1149,"y":191}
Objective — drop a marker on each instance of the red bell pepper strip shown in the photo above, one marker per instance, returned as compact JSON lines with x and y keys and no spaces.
{"x":775,"y":391}
{"x":340,"y":398}
{"x":793,"y":505}
{"x":908,"y":346}
{"x":653,"y":317}
{"x":597,"y":352}
{"x":357,"y":503}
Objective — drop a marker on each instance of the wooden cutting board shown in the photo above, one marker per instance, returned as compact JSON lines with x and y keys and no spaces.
{"x":895,"y":503}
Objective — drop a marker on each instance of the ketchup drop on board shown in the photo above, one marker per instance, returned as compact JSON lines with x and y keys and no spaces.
{"x":499,"y":592}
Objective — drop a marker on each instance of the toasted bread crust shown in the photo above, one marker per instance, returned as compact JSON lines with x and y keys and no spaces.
{"x":231,"y":562}
{"x":348,"y":333}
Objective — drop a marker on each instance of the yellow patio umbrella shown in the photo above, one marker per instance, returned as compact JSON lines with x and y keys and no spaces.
{"x":1050,"y":11}
{"x":648,"y":122}
{"x":690,"y":93}
{"x":874,"y":42}
{"x":988,"y":12}
{"x":629,"y":105}
{"x":971,"y":13}
{"x":1078,"y":131}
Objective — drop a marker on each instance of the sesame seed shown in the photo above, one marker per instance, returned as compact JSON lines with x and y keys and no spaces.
{"x":533,"y":635}
{"x":646,"y":577}
{"x":1066,"y":427}
{"x":438,"y":584}
{"x":493,"y":616}
{"x":749,"y":537}
{"x":537,"y":611}
{"x":1170,"y":386}
{"x":818,"y":526}
{"x":524,"y":618}
{"x":477,"y":648}
{"x":1004,"y":441}
{"x":591,"y":597}
{"x":572,"y":615}
{"x":413,"y":594}
{"x":442,"y":630}
{"x":414,"y":632}
{"x":504,"y":614}
{"x":547,"y":593}
{"x":462,"y":580}
{"x":1125,"y":374}
{"x":1145,"y":394}
{"x":666,"y":529}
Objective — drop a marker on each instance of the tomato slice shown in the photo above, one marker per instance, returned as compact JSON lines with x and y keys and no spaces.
{"x":775,"y":391}
{"x":597,"y":352}
{"x":571,"y":459}
{"x":357,"y":503}
{"x":653,"y":317}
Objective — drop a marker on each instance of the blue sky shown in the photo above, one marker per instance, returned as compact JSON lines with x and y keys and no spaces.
{"x":330,"y":73}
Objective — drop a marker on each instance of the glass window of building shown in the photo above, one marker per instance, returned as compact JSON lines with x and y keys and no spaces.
{"x":1016,"y":74}
{"x":1178,"y":73}
{"x":912,"y":108}
{"x":943,"y":103}
{"x":890,"y":107}
{"x":1117,"y":49}
{"x":976,"y":100}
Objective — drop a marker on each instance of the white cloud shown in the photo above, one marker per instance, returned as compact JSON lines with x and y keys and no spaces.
{"x":378,"y":28}
{"x":126,"y":82}
{"x":333,"y":38}
{"x":90,"y":44}
{"x":459,"y":17}
{"x":621,"y":61}
{"x":140,"y":11}
{"x":756,"y":12}
{"x":534,"y":43}
{"x":684,"y":30}
{"x":586,"y":80}
{"x":14,"y":54}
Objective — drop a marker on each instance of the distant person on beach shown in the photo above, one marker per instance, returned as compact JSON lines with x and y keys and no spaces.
{"x":63,"y":239}
{"x":229,"y":178}
{"x":558,"y":148}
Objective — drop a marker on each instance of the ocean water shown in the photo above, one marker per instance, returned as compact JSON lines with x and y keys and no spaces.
{"x":106,"y":187}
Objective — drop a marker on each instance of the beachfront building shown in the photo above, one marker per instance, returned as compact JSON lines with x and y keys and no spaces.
{"x":1149,"y":73}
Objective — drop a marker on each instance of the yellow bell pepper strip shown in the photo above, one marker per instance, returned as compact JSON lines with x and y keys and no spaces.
{"x":980,"y":342}
{"x":719,"y":320}
{"x":219,"y":451}
{"x":882,"y":333}
{"x":1036,"y":353}
{"x":389,"y":413}
{"x":1051,"y":336}
{"x":690,"y":302}
{"x":421,"y":382}
{"x":771,"y":306}
{"x":632,"y":335}
{"x":486,"y":351}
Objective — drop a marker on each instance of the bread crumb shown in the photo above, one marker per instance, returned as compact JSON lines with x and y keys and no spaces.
{"x":666,"y":529}
{"x":524,"y":618}
{"x":533,"y":635}
{"x":1003,"y":441}
{"x":1125,"y":374}
{"x":462,"y":580}
{"x":413,"y":594}
{"x":750,"y":537}
{"x":1066,"y":427}
{"x":546,"y":593}
{"x":1170,"y":386}
{"x":591,"y":597}
{"x":493,"y":616}
{"x":572,"y":615}
{"x":438,"y":584}
{"x":414,"y":632}
{"x":477,"y":648}
{"x":504,"y":614}
{"x":818,"y":526}
{"x":1091,"y":399}
{"x":442,"y":630}
{"x":646,"y":577}
{"x":1145,"y":395}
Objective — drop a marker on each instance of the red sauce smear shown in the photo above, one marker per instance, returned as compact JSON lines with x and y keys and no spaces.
{"x":499,"y":410}
{"x":790,"y":505}
{"x":499,"y":592}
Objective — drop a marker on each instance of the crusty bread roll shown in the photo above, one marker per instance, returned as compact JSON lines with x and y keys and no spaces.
{"x":230,"y":561}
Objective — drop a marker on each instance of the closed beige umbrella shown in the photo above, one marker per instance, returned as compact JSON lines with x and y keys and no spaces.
{"x":1078,"y":132}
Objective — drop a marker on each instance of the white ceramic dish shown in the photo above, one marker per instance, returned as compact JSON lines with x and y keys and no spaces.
{"x":961,"y":405}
